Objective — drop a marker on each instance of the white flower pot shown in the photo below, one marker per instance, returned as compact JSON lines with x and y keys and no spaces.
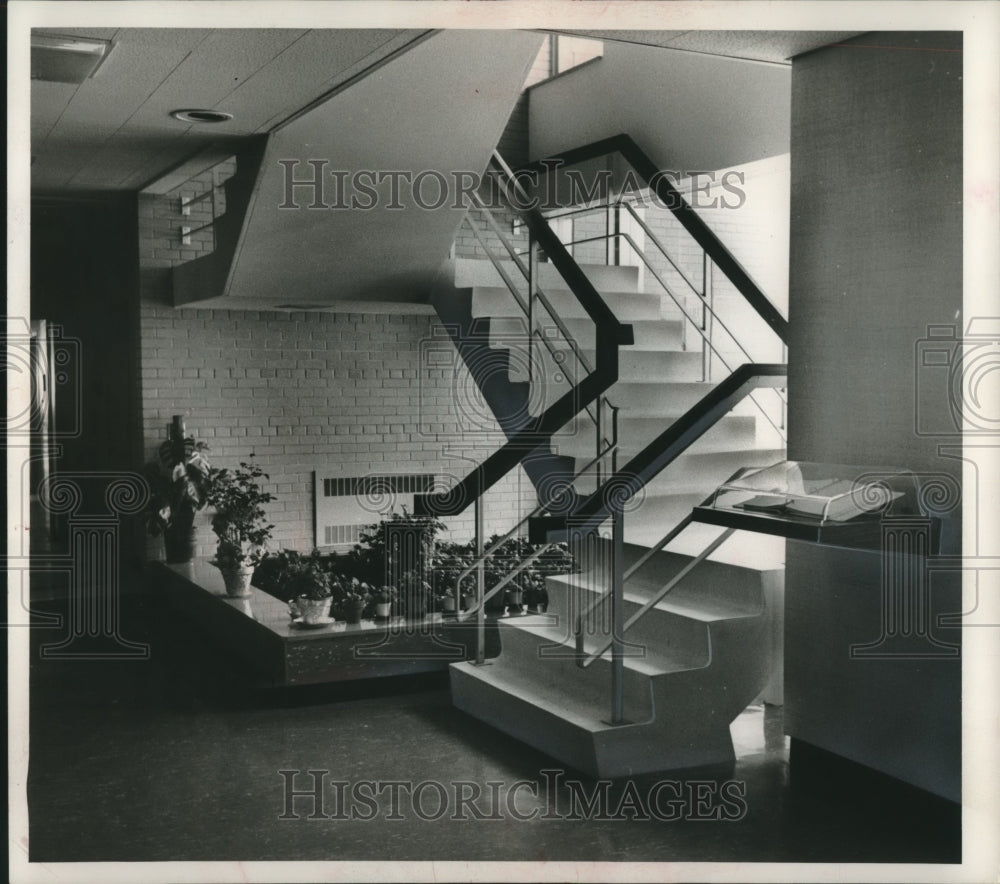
{"x":237,"y":580}
{"x":310,"y":610}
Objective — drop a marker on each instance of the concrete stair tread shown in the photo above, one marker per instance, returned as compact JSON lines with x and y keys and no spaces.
{"x":666,"y":398}
{"x":699,"y":472}
{"x":641,"y":365}
{"x":632,"y":425}
{"x":649,"y":334}
{"x":706,"y":610}
{"x":744,"y":549}
{"x":490,"y":301}
{"x":471,"y":272}
{"x":693,"y":604}
{"x":652,"y":335}
{"x":586,"y":713}
{"x":731,"y":433}
{"x":633,"y":364}
{"x":652,"y":665}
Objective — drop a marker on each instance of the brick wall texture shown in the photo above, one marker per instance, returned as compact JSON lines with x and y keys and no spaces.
{"x":345,"y":393}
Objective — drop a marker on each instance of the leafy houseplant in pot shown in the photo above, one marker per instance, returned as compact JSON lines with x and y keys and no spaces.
{"x":444,"y":598}
{"x":415,"y":595}
{"x":383,"y":602}
{"x":513,"y":596}
{"x":536,"y":596}
{"x":356,"y":597}
{"x":180,"y":480}
{"x":306,"y":583}
{"x":240,"y":524}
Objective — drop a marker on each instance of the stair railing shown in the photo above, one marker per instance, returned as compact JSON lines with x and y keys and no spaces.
{"x":671,"y":198}
{"x":611,"y":496}
{"x":701,"y":326}
{"x":609,"y":502}
{"x":609,"y":334}
{"x":584,"y":660}
{"x":595,"y":411}
{"x":478,"y":565}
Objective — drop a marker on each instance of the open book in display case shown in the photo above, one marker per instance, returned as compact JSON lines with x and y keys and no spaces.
{"x":836,"y":504}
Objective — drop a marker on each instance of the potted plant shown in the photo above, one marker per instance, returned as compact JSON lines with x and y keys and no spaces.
{"x":307,"y":585}
{"x":536,"y":596}
{"x":240,"y":523}
{"x":468,"y":599}
{"x":355,"y":599}
{"x":444,"y":599}
{"x":383,"y":602}
{"x":375,"y":559}
{"x":180,"y":479}
{"x":415,"y":596}
{"x":513,"y":596}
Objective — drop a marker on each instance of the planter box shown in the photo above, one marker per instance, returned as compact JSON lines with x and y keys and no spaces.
{"x":259,"y":630}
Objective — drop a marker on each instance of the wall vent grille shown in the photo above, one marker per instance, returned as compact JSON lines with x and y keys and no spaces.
{"x":345,"y":505}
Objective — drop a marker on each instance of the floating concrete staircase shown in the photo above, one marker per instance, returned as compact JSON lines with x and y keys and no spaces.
{"x":658,"y":382}
{"x":698,"y":658}
{"x":710,"y":647}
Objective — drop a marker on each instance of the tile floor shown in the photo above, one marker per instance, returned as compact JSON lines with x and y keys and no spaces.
{"x":175,"y":758}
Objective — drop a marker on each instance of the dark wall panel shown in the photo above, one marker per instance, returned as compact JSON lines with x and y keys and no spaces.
{"x":875,"y":257}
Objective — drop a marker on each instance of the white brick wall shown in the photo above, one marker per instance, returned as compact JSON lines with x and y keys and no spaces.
{"x":303,"y":391}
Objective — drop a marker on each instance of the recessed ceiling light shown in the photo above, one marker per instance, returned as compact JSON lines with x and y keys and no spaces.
{"x":198,"y":115}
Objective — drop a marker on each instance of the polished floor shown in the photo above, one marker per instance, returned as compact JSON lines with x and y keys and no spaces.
{"x":174,"y":757}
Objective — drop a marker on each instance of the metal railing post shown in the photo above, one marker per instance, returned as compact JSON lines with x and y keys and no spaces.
{"x":706,"y":290}
{"x":599,"y":432}
{"x":532,"y":289}
{"x":480,"y":586}
{"x":614,"y":438}
{"x":617,"y":617}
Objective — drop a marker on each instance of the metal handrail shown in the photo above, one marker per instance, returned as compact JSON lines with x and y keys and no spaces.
{"x":652,"y":551}
{"x":706,"y":337}
{"x":668,"y":446}
{"x":584,"y":662}
{"x":538,"y":510}
{"x":480,"y":561}
{"x":609,"y":334}
{"x":512,"y":287}
{"x":671,"y":198}
{"x":645,"y":227}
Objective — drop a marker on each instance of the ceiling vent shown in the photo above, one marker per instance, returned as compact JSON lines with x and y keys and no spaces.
{"x":57,"y":59}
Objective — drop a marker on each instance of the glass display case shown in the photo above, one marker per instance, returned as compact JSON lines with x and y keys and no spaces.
{"x":838,"y":504}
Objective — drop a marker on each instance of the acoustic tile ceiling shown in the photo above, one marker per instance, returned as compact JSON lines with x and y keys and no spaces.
{"x":114,"y":131}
